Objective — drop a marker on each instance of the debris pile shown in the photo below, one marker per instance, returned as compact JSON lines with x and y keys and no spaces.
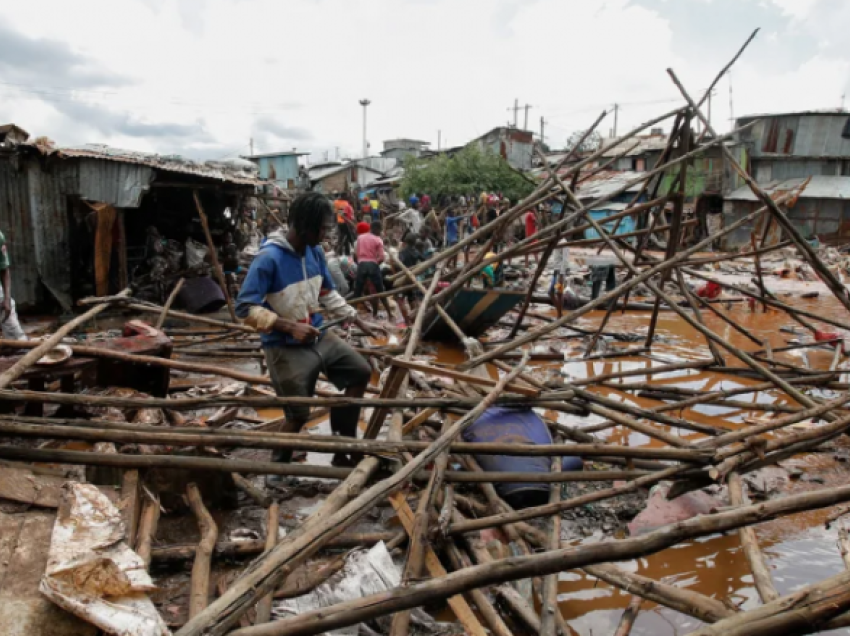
{"x":483,"y":473}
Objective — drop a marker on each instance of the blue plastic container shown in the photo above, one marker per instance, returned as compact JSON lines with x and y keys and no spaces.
{"x":504,"y":425}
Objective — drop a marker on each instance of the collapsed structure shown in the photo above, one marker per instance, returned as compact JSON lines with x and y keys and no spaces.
{"x":414,"y":458}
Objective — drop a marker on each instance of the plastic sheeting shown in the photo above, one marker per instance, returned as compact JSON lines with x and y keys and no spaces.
{"x":92,"y":573}
{"x":365,"y":573}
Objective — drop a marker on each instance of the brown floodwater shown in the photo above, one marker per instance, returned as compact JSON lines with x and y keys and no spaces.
{"x":799,"y":549}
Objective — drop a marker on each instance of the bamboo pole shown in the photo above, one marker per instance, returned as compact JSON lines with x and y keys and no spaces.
{"x":219,"y":273}
{"x":129,"y":433}
{"x":758,"y":566}
{"x":200,"y":587}
{"x":703,"y":608}
{"x":628,"y":619}
{"x":550,"y":582}
{"x":174,"y":292}
{"x":253,"y":547}
{"x":147,"y":529}
{"x":264,"y":607}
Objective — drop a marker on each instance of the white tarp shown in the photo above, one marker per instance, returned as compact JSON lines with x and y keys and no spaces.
{"x":365,"y":573}
{"x":92,"y":573}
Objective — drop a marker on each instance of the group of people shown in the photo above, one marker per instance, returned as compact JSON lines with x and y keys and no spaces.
{"x":299,"y":280}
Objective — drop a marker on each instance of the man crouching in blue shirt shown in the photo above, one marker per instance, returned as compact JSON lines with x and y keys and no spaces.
{"x":287,"y":284}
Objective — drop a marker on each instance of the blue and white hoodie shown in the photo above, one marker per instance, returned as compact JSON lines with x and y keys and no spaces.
{"x":292,"y":285}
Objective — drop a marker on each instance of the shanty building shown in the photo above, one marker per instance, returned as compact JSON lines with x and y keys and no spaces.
{"x":513,"y":145}
{"x":329,"y":178}
{"x":282,"y":169}
{"x":785,"y":149}
{"x":821,"y":211}
{"x":77,"y":220}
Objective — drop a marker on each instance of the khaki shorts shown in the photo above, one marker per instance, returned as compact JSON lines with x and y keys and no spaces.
{"x":294,"y":370}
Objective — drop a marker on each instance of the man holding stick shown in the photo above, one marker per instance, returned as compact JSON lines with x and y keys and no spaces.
{"x":285,"y":286}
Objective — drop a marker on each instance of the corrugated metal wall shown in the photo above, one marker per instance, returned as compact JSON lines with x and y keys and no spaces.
{"x":119,"y":184}
{"x":16,"y":225}
{"x":49,"y":188}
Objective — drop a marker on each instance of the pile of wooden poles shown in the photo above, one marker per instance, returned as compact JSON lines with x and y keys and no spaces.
{"x":444,"y":561}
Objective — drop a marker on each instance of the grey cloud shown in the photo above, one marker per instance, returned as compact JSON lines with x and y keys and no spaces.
{"x":113,"y":123}
{"x":715,"y":30}
{"x":49,"y":63}
{"x":269,"y":125}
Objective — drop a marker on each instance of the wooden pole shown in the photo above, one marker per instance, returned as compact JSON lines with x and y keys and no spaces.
{"x":40,"y":348}
{"x":550,"y":582}
{"x":761,"y":574}
{"x":147,"y":529}
{"x":200,"y":589}
{"x":629,"y":616}
{"x":264,"y":607}
{"x":219,"y":273}
{"x":174,"y":292}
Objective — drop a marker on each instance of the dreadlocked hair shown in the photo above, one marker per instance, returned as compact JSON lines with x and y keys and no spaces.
{"x":308,"y":212}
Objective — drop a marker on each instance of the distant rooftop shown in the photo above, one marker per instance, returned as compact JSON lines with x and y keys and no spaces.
{"x":823,"y":111}
{"x":820,"y":187}
{"x":282,"y":153}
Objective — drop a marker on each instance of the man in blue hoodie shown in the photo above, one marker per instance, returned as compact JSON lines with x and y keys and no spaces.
{"x":287,"y":284}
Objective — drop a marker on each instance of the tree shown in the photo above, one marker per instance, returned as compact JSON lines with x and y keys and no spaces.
{"x":470,"y":171}
{"x":591,"y":144}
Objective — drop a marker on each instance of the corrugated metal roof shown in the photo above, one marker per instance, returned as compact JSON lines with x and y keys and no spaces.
{"x":635,"y":146}
{"x":808,"y":134}
{"x":605,"y":183}
{"x":119,"y":184}
{"x":170,"y":163}
{"x":820,"y":187}
{"x":610,"y":206}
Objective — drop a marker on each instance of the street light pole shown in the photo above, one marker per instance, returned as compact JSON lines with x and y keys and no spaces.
{"x":365,"y":103}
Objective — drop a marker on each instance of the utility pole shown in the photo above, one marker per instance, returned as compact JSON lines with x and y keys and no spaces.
{"x":542,"y":130}
{"x":365,"y":104}
{"x":616,"y":113}
{"x":525,"y":126}
{"x":439,"y":137}
{"x":731,"y":104}
{"x":251,"y":143}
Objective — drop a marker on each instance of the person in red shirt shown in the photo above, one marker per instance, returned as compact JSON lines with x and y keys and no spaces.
{"x":369,"y":254}
{"x":344,"y":225}
{"x":530,"y":219}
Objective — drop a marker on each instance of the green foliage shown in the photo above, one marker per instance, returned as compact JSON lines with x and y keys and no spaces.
{"x":469,"y":172}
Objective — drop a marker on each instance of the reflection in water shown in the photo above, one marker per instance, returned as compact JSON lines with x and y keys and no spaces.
{"x":799,"y":550}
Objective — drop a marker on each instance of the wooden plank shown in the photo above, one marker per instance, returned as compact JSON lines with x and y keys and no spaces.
{"x":18,"y":483}
{"x":458,"y":604}
{"x":130,"y":504}
{"x":24,"y":611}
{"x":390,"y":389}
{"x":463,"y":377}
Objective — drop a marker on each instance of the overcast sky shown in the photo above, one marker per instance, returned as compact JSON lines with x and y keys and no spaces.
{"x":201,"y":77}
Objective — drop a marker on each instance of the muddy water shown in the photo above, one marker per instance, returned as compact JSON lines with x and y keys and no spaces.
{"x":798,"y":549}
